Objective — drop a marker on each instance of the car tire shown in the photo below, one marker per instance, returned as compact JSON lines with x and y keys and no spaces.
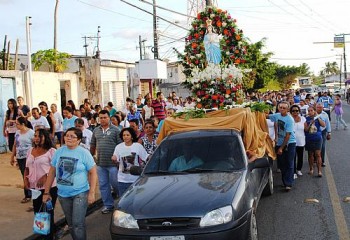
{"x":268,"y":190}
{"x":253,"y":228}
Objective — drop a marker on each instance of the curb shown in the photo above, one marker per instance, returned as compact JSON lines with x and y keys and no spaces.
{"x":62,"y":222}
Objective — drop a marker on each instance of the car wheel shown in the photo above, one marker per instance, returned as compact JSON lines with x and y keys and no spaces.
{"x":268,"y":190}
{"x":253,"y":231}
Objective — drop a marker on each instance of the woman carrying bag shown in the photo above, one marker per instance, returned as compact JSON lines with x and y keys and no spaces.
{"x":38,"y":164}
{"x":76,"y":175}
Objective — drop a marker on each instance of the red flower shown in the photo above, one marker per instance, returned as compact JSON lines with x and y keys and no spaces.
{"x":214,"y":97}
{"x":198,"y":16}
{"x":196,"y":35}
{"x":222,"y":99}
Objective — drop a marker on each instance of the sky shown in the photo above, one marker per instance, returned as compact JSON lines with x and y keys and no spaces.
{"x":296,"y":31}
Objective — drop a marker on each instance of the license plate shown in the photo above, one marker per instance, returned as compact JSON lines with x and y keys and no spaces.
{"x":168,"y":238}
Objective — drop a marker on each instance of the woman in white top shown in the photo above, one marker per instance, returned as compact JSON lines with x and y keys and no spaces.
{"x":147,"y":110}
{"x":127,"y":154}
{"x":23,"y":142}
{"x":299,"y":137}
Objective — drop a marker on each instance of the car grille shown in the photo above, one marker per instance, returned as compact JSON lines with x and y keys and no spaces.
{"x":168,"y":223}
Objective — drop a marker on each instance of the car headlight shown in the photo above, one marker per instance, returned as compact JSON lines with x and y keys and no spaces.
{"x":217,"y":217}
{"x":124,"y":220}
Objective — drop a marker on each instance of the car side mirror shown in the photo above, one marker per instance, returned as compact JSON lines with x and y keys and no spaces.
{"x":135,"y":170}
{"x":259,"y":163}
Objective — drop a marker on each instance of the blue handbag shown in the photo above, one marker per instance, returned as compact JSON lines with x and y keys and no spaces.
{"x":41,"y":223}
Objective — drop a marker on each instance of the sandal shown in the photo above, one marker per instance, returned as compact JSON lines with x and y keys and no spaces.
{"x":319,"y":174}
{"x":25,"y":200}
{"x":311,"y":172}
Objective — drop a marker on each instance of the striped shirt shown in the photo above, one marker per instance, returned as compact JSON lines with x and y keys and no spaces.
{"x":159,"y":108}
{"x":105,"y":140}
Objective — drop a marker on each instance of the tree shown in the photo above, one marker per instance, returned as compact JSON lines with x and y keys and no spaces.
{"x":287,"y":74}
{"x":331,"y":68}
{"x":262,"y":70}
{"x":56,"y":61}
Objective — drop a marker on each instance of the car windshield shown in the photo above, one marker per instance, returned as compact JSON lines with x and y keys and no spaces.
{"x":193,"y":155}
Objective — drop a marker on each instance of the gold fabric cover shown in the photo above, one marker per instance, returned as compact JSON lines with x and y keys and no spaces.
{"x":252,"y":125}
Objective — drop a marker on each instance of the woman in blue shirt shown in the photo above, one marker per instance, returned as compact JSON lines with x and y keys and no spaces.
{"x":76,"y":176}
{"x":313,"y":138}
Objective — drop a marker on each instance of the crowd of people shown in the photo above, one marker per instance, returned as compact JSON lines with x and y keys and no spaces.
{"x":301,"y":122}
{"x":63,"y":156}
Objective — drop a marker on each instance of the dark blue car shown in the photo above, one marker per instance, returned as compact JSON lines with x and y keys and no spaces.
{"x":197,"y":185}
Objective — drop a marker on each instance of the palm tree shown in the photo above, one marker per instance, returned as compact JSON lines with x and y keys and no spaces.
{"x":331,"y":68}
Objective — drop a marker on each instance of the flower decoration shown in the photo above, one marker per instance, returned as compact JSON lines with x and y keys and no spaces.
{"x":216,"y":87}
{"x":233,"y":48}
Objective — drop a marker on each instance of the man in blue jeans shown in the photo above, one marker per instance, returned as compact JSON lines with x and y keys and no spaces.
{"x":104,"y":139}
{"x":285,"y":146}
{"x":326,"y":131}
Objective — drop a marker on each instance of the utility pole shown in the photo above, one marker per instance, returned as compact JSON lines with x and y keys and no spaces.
{"x":155,"y":35}
{"x":85,"y":45}
{"x":98,"y":43}
{"x":30,"y":85}
{"x":344,"y":55}
{"x":16,"y":54}
{"x":4,"y":54}
{"x":140,"y":46}
{"x":8,"y":56}
{"x":55,"y":26}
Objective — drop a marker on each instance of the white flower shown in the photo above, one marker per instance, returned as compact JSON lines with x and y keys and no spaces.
{"x":198,"y":100}
{"x":211,"y":91}
{"x":212,"y":15}
{"x":227,"y":96}
{"x":224,"y":24}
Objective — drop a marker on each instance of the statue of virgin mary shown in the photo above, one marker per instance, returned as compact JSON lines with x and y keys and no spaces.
{"x":212,"y":45}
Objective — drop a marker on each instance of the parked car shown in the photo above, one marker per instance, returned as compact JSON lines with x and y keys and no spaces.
{"x":197,"y":185}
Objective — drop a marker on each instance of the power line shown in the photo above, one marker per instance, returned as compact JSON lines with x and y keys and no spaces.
{"x":152,"y":15}
{"x":167,"y":9}
{"x":112,"y":11}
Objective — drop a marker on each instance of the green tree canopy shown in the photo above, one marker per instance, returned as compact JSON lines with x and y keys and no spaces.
{"x":262,"y":70}
{"x":56,"y":61}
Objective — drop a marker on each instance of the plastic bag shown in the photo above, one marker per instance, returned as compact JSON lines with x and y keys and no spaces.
{"x":41,"y":223}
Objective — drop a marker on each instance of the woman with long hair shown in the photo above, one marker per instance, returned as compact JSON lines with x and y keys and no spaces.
{"x":23,"y":142}
{"x":128,"y":153}
{"x":38,"y":164}
{"x":9,"y":129}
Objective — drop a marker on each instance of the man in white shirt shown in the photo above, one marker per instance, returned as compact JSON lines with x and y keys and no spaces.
{"x":39,"y":121}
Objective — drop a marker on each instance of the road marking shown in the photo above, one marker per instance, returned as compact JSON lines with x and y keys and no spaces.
{"x":339,"y":217}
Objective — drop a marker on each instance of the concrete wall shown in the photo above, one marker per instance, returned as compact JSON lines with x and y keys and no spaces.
{"x":46,"y":86}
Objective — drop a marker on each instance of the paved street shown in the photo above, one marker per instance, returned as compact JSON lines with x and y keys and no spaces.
{"x":285,"y":215}
{"x":281,"y":216}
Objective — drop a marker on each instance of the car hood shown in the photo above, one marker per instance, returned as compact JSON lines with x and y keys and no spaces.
{"x":179,"y":195}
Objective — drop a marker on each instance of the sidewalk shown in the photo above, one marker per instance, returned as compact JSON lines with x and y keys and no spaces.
{"x":15,"y":221}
